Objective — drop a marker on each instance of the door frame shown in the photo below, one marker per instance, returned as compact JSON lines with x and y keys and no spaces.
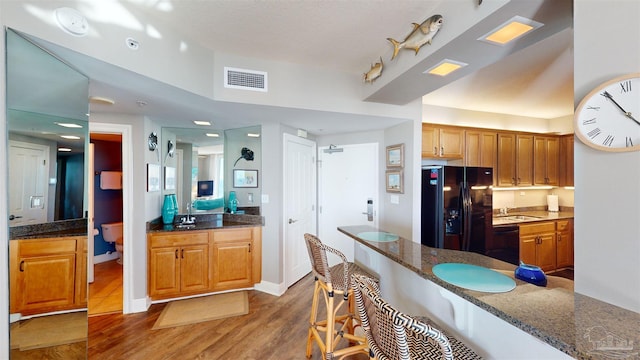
{"x":126,"y":131}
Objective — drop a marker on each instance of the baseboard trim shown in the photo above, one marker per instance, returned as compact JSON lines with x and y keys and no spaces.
{"x":139,"y":305}
{"x":271,"y":288}
{"x":105,"y":257}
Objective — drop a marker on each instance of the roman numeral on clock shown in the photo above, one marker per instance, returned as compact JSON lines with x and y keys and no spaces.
{"x":625,"y":86}
{"x":593,"y":133}
{"x":608,"y":140}
{"x":628,"y":141}
{"x":589,"y":121}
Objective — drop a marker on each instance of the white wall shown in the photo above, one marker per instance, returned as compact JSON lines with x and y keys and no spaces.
{"x":607,"y":190}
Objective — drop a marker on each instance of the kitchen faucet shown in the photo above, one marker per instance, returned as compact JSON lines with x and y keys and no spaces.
{"x":189,"y":219}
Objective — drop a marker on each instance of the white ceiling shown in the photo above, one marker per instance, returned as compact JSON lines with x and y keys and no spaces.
{"x":343,"y":35}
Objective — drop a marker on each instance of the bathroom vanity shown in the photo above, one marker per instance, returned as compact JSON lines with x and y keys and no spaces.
{"x":48,"y":268}
{"x":216,"y":254}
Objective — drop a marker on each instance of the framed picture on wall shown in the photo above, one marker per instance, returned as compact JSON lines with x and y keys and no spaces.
{"x":394,"y":181}
{"x":395,"y":155}
{"x":245,"y":178}
{"x":169,"y":178}
{"x":153,"y":177}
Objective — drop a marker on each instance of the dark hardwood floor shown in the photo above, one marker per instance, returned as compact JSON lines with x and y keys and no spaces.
{"x":275,"y":328}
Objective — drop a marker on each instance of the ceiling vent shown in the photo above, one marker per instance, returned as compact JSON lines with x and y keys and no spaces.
{"x":245,"y":79}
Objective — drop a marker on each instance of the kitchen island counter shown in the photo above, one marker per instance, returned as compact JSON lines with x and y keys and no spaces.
{"x":572,"y":323}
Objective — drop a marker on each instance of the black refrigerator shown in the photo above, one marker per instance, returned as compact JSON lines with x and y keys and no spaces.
{"x":456,"y":207}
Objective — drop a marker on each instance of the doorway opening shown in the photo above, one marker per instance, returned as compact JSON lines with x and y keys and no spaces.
{"x":106,"y":284}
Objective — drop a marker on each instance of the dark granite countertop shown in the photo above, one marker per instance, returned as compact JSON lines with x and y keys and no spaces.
{"x":578,"y":325}
{"x":208,"y":222}
{"x":63,"y":228}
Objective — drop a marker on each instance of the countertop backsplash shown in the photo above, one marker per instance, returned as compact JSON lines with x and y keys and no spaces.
{"x":531,"y":199}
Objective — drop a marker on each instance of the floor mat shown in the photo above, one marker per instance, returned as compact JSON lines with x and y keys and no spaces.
{"x":49,"y":331}
{"x":206,"y":308}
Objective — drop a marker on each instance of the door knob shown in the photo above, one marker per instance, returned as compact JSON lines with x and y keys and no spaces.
{"x":291,"y":221}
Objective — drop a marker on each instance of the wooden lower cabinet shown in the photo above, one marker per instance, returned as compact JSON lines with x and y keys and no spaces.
{"x":564,"y":244}
{"x":538,"y":245}
{"x":548,"y":244}
{"x":183,"y":263}
{"x":47,"y":275}
{"x":178,"y":263}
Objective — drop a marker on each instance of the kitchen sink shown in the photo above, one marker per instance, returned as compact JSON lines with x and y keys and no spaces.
{"x":510,"y":219}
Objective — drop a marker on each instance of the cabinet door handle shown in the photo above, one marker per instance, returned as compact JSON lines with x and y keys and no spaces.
{"x":176,"y":253}
{"x":182,"y":253}
{"x":435,"y":150}
{"x":22,"y":266}
{"x":249,"y":247}
{"x":442,"y":151}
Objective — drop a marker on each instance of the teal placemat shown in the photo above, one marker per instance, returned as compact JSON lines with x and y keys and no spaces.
{"x":380,"y":236}
{"x":474,"y":277}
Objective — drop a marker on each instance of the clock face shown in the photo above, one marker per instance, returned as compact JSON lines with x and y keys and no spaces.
{"x":608,"y":118}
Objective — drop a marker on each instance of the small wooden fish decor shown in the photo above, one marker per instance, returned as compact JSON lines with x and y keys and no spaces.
{"x":421,"y":34}
{"x":374,"y":72}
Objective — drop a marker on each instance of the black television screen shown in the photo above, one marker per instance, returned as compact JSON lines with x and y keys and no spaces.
{"x":205,"y":188}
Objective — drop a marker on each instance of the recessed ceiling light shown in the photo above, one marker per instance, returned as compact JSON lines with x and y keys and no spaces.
{"x":253,"y":135}
{"x":445,"y":67}
{"x":201,"y":122}
{"x":70,"y":137}
{"x":213,"y":135}
{"x":69,"y":125}
{"x":101,"y":100}
{"x":64,"y":150}
{"x":510,"y":30}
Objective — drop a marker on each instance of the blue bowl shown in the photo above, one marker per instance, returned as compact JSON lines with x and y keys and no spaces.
{"x":531,"y":274}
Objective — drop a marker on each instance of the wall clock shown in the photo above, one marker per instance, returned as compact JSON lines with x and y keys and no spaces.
{"x":608,"y":118}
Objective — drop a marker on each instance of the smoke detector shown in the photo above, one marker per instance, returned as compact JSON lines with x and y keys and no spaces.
{"x":72,"y":21}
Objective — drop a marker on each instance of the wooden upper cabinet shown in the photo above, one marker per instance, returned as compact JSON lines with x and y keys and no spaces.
{"x":506,"y":170}
{"x":566,"y":160}
{"x":481,"y":149}
{"x":515,"y":159}
{"x":546,"y":160}
{"x":442,"y":142}
{"x":524,"y":160}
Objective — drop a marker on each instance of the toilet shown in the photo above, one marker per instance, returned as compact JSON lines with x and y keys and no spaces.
{"x":112,"y":233}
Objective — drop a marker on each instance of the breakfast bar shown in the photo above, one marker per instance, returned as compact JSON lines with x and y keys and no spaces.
{"x":527,"y":322}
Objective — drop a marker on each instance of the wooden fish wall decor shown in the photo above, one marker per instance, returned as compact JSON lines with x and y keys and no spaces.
{"x":421,"y":34}
{"x":374,"y":72}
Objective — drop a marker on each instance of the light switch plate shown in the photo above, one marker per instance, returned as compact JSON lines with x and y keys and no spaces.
{"x":265,"y":198}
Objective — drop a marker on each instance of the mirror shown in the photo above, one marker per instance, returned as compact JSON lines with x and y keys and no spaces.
{"x":197,"y":159}
{"x":204,"y":161}
{"x":47,"y":128}
{"x":47,"y":132}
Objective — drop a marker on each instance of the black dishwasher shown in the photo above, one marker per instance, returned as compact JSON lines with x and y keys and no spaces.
{"x":505,"y":244}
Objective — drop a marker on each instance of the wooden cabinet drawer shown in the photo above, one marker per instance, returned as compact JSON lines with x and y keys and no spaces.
{"x":563,"y":225}
{"x":180,"y":238}
{"x":49,"y":246}
{"x":236,"y":234}
{"x":537,"y":228}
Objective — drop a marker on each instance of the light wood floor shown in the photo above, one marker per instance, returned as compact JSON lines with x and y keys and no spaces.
{"x":105,"y":293}
{"x":275,"y":328}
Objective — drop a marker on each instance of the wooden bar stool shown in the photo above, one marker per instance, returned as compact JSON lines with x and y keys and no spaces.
{"x":392,"y":335}
{"x":333,"y":284}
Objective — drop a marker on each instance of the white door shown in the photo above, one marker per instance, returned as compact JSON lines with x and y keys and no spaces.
{"x":348,"y":181}
{"x":28,"y":182}
{"x":299,"y":199}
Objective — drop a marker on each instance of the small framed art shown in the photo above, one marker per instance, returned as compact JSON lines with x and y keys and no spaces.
{"x":395,"y":181}
{"x":395,"y":155}
{"x":153,"y":177}
{"x":245,"y":178}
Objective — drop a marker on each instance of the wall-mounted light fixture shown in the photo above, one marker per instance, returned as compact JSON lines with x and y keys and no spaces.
{"x":246,"y":154}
